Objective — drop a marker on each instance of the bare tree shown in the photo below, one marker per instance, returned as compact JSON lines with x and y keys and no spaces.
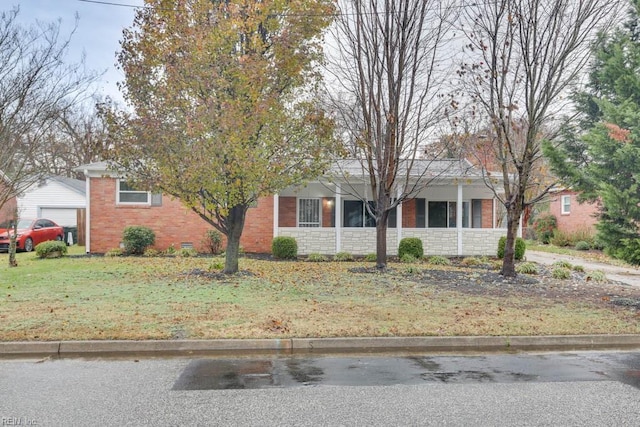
{"x":77,"y":136}
{"x":35,"y":87}
{"x":523,"y":58}
{"x":386,"y":74}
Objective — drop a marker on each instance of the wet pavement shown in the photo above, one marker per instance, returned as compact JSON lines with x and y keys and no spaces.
{"x":301,"y":371}
{"x":568,"y":389}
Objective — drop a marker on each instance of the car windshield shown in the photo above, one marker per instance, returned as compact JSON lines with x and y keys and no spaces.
{"x":24,"y":223}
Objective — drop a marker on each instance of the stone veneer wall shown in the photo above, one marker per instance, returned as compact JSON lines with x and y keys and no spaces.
{"x":435,"y":241}
{"x":478,"y":241}
{"x":362,"y":241}
{"x":312,"y":240}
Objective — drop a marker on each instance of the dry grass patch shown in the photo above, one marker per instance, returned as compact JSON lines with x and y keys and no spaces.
{"x":176,"y":298}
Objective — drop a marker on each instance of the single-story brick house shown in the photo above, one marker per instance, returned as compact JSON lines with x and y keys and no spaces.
{"x":455,"y":214}
{"x":571,"y":215}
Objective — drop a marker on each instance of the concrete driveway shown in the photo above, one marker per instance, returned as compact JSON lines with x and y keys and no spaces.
{"x":627,"y":275}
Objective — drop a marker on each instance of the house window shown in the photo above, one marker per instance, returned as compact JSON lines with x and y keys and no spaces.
{"x":129,"y":194}
{"x":566,"y":205}
{"x":445,"y":214}
{"x":356,"y":215}
{"x":308,"y":212}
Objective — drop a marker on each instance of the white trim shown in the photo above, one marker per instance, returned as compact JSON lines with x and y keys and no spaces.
{"x":276,"y":214}
{"x":459,"y":218}
{"x":87,"y":216}
{"x":118,"y":202}
{"x":338,"y":218}
{"x":399,"y":221}
{"x":562,"y":210}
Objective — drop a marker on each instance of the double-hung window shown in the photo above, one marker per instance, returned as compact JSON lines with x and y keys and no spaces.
{"x":566,"y":205}
{"x":130,"y":194}
{"x":309,"y":213}
{"x":445,"y":214}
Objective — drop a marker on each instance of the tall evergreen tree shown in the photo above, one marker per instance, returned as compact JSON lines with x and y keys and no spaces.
{"x":601,"y":156}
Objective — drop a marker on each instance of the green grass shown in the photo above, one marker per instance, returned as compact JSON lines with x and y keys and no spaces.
{"x":598,"y":256}
{"x":156,"y":298}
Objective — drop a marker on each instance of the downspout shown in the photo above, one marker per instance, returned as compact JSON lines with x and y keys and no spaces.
{"x":276,"y":214}
{"x":338,"y":219}
{"x":87,"y":216}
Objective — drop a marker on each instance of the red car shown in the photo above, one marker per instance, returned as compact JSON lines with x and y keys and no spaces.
{"x":30,"y":233}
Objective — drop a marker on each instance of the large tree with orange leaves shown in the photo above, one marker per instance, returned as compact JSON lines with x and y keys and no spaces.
{"x":222,"y":99}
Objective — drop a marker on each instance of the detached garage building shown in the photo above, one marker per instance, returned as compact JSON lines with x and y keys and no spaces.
{"x":55,"y":198}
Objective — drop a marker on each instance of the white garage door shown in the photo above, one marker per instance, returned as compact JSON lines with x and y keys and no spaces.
{"x":66,"y":217}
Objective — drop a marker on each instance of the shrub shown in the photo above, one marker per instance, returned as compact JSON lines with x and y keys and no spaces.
{"x":561,"y":273}
{"x":561,"y":239}
{"x":596,"y":276}
{"x":187,"y":252}
{"x":629,"y":251}
{"x":471,"y":262}
{"x":411,"y":246}
{"x":519,"y":250}
{"x":545,"y":226}
{"x":137,"y":238}
{"x":583,"y":246}
{"x":114,"y":252}
{"x":408,"y":258}
{"x":151,"y":252}
{"x":171,"y":250}
{"x":344,"y":256}
{"x":317,"y":258}
{"x":371,"y":257}
{"x":283,"y":247}
{"x":578,"y":268}
{"x":439,"y":260}
{"x":527,"y":268}
{"x":51,"y":249}
{"x":563,"y":264}
{"x":216,"y":265}
{"x":213,"y":241}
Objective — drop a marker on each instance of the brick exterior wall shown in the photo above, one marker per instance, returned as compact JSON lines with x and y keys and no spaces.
{"x":172,"y":223}
{"x":8,"y":210}
{"x":409,"y":214}
{"x":487,"y":213}
{"x":287,"y":212}
{"x":581,"y":217}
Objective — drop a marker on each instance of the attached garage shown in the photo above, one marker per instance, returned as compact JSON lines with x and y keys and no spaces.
{"x":55,"y":198}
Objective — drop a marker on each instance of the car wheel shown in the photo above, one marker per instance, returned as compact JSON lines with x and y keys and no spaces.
{"x":59,"y":238}
{"x":28,"y":245}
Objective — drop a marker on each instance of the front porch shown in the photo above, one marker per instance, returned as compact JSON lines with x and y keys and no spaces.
{"x":451,"y":218}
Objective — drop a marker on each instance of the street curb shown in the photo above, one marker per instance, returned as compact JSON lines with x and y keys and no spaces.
{"x":318,"y":345}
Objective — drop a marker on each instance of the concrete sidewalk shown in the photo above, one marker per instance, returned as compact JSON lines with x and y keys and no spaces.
{"x":626,"y":275}
{"x":234,"y":347}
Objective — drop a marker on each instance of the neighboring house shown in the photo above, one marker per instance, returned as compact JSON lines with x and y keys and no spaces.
{"x":8,"y":208}
{"x":571,"y":215}
{"x":55,"y":198}
{"x":454,"y":215}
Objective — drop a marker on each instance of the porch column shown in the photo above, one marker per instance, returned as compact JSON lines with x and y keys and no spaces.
{"x":399,"y":222}
{"x":459,"y":218}
{"x":276,"y":214}
{"x":493,"y":213}
{"x":338,"y":219}
{"x":87,"y":225}
{"x":520,"y":226}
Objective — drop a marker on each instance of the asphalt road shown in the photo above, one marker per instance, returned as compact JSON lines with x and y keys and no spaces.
{"x":569,"y":389}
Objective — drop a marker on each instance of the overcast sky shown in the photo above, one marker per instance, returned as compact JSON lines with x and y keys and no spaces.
{"x":98,"y":34}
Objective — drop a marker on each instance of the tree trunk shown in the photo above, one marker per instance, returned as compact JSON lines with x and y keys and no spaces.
{"x":12,"y":242}
{"x":508,"y":262}
{"x":381,"y":242}
{"x":235,"y":225}
{"x":382,"y":215}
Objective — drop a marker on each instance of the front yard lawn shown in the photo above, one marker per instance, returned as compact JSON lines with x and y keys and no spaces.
{"x":82,"y":298}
